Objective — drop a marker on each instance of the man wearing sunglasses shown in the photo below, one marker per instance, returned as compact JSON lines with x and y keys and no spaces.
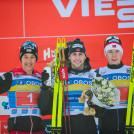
{"x":113,"y":122}
{"x":23,"y":88}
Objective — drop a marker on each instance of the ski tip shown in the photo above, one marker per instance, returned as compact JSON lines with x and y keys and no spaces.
{"x":61,"y":42}
{"x":58,"y":40}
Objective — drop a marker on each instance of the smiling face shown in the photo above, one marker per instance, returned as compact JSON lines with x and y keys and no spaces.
{"x":114,"y":56}
{"x":77,"y":60}
{"x":28,"y":62}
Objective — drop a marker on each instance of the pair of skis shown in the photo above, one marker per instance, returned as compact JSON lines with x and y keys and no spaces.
{"x":60,"y":87}
{"x":130,"y":107}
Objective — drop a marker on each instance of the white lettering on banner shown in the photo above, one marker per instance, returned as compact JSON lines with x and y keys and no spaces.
{"x":125,"y":3}
{"x":68,"y":11}
{"x":99,"y":6}
{"x":127,"y":17}
{"x":85,"y":7}
{"x":65,"y":12}
{"x":48,"y":54}
{"x":123,"y":14}
{"x":5,"y":126}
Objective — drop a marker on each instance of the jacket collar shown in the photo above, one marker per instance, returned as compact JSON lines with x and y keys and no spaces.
{"x":115,"y":66}
{"x":20,"y":71}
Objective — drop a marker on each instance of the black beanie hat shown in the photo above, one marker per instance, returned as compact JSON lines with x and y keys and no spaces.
{"x":29,"y":47}
{"x":76,"y":46}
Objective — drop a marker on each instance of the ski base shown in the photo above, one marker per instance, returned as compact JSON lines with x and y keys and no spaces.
{"x":129,"y":129}
{"x":56,"y":130}
{"x":56,"y":125}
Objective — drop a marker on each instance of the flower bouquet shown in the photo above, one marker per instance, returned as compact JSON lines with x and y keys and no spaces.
{"x":105,"y":93}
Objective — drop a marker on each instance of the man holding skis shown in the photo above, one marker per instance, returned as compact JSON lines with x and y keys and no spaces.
{"x":80,"y":78}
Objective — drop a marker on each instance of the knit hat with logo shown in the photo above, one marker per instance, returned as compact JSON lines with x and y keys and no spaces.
{"x":29,"y":47}
{"x":112,"y":42}
{"x":76,"y":46}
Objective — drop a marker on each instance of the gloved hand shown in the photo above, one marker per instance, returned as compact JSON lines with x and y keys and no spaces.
{"x":66,"y":53}
{"x":44,"y":77}
{"x":99,"y":110}
{"x":89,"y":93}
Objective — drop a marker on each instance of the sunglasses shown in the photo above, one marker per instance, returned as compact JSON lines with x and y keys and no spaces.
{"x":116,"y":39}
{"x":29,"y":43}
{"x":112,"y":37}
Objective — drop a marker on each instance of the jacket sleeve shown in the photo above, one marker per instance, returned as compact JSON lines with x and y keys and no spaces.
{"x":45,"y":101}
{"x":5,"y":82}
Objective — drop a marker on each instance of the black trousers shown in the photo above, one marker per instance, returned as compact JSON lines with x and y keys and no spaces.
{"x":113,"y":121}
{"x":81,"y":124}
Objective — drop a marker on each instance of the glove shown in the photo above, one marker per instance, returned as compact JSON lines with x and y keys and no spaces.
{"x":44,"y":87}
{"x":44,"y":77}
{"x":99,"y":110}
{"x":66,"y":53}
{"x":5,"y":82}
{"x":89,"y":93}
